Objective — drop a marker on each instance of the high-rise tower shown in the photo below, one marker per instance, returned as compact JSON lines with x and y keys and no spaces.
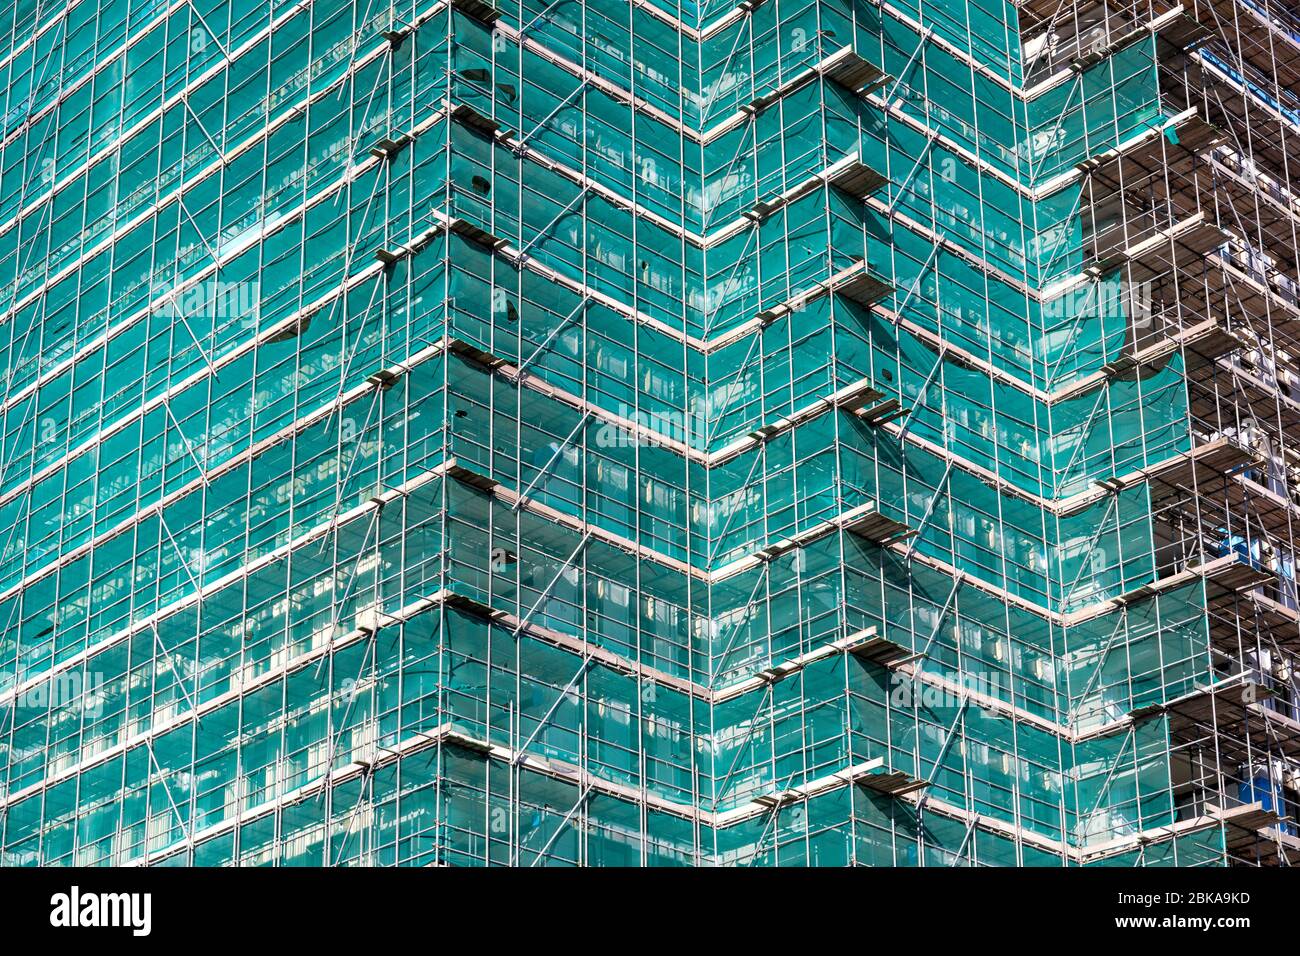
{"x":793,"y":432}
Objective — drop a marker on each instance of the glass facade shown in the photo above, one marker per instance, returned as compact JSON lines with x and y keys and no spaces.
{"x":552,"y":433}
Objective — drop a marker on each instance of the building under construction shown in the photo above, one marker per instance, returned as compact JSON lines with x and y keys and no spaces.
{"x":650,"y":433}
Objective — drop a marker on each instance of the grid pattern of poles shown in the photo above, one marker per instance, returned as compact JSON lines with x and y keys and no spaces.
{"x":549,"y":433}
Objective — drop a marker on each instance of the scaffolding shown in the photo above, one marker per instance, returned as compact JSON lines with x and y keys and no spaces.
{"x":796,"y":432}
{"x":1203,"y":211}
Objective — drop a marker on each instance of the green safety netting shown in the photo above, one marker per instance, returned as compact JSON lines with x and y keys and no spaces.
{"x":301,"y":489}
